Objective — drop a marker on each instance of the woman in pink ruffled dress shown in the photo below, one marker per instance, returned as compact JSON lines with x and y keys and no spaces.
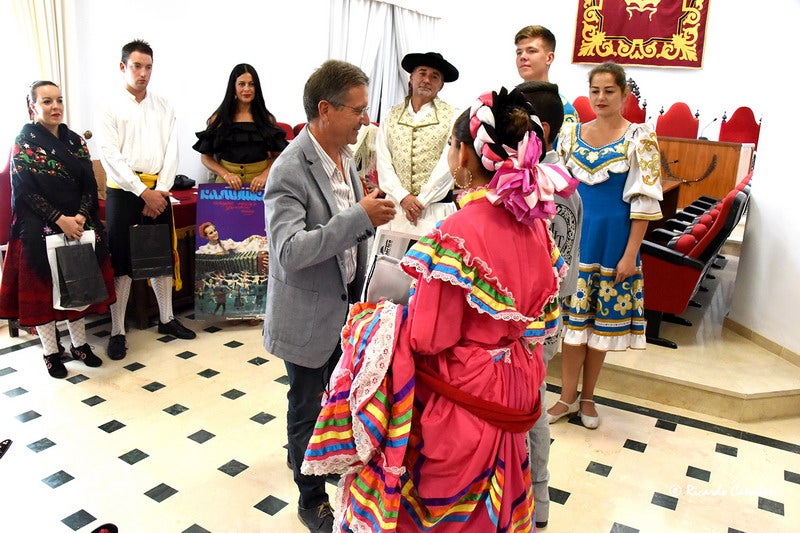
{"x":428,"y":410}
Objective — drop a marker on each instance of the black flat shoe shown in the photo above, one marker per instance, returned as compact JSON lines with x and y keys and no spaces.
{"x":116,"y":347}
{"x":55,"y":367}
{"x":176,"y":329}
{"x":84,"y":353}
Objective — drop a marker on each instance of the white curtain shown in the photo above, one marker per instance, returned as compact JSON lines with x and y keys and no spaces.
{"x":375,"y":36}
{"x":43,"y":29}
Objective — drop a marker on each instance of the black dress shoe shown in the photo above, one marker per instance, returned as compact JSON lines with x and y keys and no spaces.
{"x":317,"y":519}
{"x":176,"y":329}
{"x":84,"y":353}
{"x":116,"y":347}
{"x":541,"y":525}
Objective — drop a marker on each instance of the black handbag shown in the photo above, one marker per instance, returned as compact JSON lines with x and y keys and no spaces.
{"x":80,"y":282}
{"x":151,"y":251}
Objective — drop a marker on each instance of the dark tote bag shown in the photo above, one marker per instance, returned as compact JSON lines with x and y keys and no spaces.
{"x":151,"y":251}
{"x":80,"y":282}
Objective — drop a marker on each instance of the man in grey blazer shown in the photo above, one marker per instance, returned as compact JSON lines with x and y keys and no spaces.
{"x":319,"y":225}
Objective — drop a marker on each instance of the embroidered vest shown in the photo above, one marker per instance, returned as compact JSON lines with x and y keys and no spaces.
{"x":416,"y":148}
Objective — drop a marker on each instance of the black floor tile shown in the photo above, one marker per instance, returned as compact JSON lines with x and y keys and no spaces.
{"x":15,"y":392}
{"x":258,"y":361}
{"x":167,"y":338}
{"x":212,"y":329}
{"x":27,"y":416}
{"x":186,"y":355}
{"x":665,"y":501}
{"x":201,"y":436}
{"x":599,"y":469}
{"x":57,"y":479}
{"x":78,"y":520}
{"x":194,"y":528}
{"x":80,"y":378}
{"x":133,"y":367}
{"x":233,"y":394}
{"x":283,"y":380}
{"x":233,"y":344}
{"x":765,"y":504}
{"x":41,"y":445}
{"x":134,"y":456}
{"x":154,"y":386}
{"x":731,"y":530}
{"x":233,"y":468}
{"x":262,"y":418}
{"x":93,"y":400}
{"x":112,"y":426}
{"x":727,"y":450}
{"x":7,"y":370}
{"x":635,"y":445}
{"x":176,"y":409}
{"x":622,"y":528}
{"x":791,"y":477}
{"x":558,"y":495}
{"x":208,"y":373}
{"x":663,"y":424}
{"x":698,"y":473}
{"x":160,"y":492}
{"x":270,"y":505}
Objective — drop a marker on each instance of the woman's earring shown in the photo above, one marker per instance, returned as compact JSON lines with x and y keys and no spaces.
{"x":455,"y":178}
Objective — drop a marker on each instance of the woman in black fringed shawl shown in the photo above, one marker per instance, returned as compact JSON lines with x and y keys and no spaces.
{"x":53,"y":191}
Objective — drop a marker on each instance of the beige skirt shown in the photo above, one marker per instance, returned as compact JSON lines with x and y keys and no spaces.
{"x":246,"y":171}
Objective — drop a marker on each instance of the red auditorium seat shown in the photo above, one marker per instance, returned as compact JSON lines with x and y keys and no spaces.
{"x":288,"y":129}
{"x":584,"y":108}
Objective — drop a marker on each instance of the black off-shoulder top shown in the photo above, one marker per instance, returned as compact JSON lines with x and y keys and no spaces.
{"x":241,"y":142}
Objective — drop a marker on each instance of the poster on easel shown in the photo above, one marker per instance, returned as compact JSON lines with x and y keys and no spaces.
{"x":231,"y":255}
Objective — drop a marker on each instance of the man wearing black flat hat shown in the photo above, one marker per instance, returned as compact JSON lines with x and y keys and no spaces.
{"x":411,"y":142}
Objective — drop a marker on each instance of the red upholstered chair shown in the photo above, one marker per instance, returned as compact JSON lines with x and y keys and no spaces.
{"x":673,"y":271}
{"x":288,"y":129}
{"x":632,"y":111}
{"x":298,"y":128}
{"x":678,"y":121}
{"x":740,"y":128}
{"x":584,"y":108}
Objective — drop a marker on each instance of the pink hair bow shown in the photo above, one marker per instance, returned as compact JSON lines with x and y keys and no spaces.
{"x":527,"y":188}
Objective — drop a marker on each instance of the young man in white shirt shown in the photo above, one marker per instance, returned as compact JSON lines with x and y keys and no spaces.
{"x":139,"y":152}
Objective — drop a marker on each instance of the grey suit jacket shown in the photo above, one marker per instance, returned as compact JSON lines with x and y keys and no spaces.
{"x":307,"y":295}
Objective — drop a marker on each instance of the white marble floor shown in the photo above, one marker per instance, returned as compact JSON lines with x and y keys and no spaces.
{"x":188,"y":436}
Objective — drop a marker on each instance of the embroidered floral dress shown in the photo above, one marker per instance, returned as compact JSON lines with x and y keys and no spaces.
{"x":620,"y":182}
{"x":50,"y":177}
{"x":415,"y":460}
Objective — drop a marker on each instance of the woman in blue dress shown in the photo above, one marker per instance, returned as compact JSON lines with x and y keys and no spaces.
{"x":619,"y":168}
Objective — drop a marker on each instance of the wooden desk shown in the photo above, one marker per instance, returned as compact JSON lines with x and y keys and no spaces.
{"x":669,"y":204}
{"x":712,"y":168}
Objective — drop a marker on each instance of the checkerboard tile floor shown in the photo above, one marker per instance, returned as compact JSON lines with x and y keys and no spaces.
{"x":189,"y":436}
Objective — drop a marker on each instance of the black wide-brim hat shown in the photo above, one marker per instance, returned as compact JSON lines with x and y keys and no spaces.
{"x":433,"y":60}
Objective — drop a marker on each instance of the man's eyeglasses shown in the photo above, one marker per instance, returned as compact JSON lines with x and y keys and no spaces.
{"x":360,"y":111}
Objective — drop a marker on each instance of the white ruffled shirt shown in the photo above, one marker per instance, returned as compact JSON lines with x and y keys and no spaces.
{"x":139,"y":137}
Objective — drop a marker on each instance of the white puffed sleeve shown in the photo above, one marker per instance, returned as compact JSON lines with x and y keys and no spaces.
{"x":643,"y":186}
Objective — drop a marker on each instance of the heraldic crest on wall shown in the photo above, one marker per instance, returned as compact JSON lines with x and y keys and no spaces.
{"x":653,"y":33}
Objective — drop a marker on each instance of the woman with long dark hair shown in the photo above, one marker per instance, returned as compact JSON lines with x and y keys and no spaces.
{"x":53,"y":192}
{"x":242,"y":138}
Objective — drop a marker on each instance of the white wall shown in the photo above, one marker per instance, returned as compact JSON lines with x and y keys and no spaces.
{"x":747,"y":61}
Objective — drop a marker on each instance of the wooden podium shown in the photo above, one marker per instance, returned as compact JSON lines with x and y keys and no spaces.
{"x":712,"y":168}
